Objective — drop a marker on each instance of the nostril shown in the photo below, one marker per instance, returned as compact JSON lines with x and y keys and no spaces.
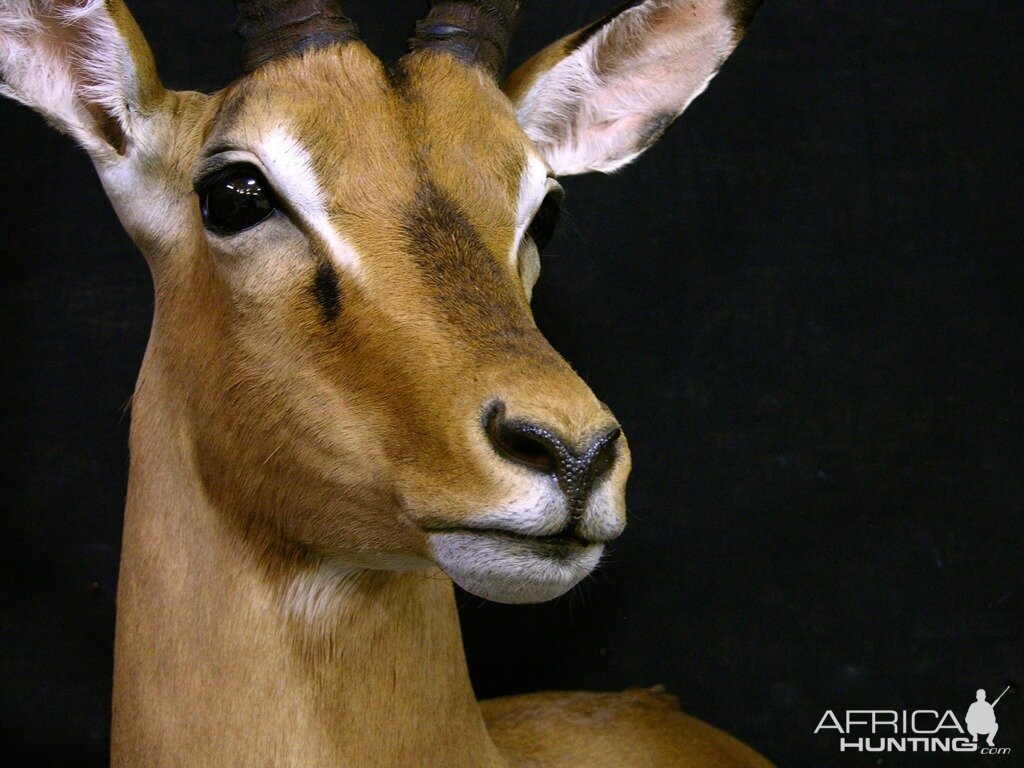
{"x":537,"y":447}
{"x":602,"y":453}
{"x":525,"y":449}
{"x":522,"y":442}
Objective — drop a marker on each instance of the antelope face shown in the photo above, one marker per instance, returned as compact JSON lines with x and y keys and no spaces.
{"x":343,"y":259}
{"x":372,"y":244}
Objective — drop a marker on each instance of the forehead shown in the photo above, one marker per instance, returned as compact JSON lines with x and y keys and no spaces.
{"x":417,"y":182}
{"x":378,"y":136}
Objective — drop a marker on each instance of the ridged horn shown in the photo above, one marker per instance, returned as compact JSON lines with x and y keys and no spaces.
{"x":271,"y":28}
{"x":478,"y":33}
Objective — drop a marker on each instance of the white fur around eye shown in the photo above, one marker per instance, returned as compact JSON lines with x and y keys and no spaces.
{"x":291,"y":171}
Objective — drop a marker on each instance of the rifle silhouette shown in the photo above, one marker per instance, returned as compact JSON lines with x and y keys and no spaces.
{"x":1001,"y":696}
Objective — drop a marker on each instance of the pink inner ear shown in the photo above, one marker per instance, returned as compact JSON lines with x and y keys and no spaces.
{"x":639,"y":33}
{"x":606,"y":132}
{"x":616,"y":92}
{"x":655,"y":61}
{"x":76,"y":41}
{"x":63,"y":31}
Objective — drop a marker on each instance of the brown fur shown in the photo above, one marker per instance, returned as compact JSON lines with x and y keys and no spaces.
{"x":636,"y":728}
{"x":295,"y":419}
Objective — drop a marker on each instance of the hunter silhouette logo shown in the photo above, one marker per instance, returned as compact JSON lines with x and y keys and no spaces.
{"x":919,"y":730}
{"x":981,"y":717}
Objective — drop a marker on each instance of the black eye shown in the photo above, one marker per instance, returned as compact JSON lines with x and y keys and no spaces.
{"x":235,"y":198}
{"x":542,"y":228}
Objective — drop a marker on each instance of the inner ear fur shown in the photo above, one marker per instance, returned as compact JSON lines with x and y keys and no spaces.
{"x":595,"y":100}
{"x":85,"y":66}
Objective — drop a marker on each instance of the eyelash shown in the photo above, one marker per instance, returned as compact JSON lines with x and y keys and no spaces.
{"x":210,"y":178}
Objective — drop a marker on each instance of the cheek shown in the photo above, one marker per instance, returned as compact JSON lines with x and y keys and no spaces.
{"x":279,"y":300}
{"x":285,"y":445}
{"x":302,"y":416}
{"x":258,"y":266}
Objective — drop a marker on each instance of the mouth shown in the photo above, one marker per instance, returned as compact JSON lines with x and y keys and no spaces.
{"x":509,"y":567}
{"x":563,"y":543}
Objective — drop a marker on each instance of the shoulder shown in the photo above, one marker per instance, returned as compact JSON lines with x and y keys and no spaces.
{"x":609,"y":730}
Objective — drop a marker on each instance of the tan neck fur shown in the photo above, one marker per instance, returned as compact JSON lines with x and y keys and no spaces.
{"x":214,"y":667}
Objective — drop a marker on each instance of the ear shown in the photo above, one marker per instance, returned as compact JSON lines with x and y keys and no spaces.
{"x":83,"y":64}
{"x":596,"y":99}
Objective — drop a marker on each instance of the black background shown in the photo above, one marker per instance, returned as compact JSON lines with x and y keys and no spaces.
{"x":806,"y":306}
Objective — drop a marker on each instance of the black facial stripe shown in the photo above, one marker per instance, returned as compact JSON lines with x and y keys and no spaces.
{"x":327,"y":289}
{"x":465,"y":280}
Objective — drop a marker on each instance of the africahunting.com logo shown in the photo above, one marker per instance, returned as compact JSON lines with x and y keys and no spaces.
{"x":919,"y":730}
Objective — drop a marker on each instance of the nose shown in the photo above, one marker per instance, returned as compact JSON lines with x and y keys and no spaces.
{"x":541,"y":449}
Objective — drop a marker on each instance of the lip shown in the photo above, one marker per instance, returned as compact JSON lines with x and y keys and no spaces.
{"x":556,"y":543}
{"x":510,"y":567}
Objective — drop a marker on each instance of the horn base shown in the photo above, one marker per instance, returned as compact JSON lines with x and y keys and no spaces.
{"x":270,"y":30}
{"x":477,"y":33}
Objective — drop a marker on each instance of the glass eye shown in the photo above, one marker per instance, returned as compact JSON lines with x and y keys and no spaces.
{"x":545,"y":221}
{"x":235,"y":199}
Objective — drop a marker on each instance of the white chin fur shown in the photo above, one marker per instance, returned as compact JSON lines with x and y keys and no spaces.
{"x":511,"y":570}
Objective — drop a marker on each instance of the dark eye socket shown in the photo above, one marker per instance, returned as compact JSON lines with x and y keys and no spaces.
{"x":235,"y":198}
{"x":545,"y":221}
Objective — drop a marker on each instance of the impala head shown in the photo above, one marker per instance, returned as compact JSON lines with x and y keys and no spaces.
{"x":343,"y":258}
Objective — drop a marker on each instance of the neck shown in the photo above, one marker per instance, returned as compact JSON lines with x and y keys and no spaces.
{"x":224,"y":659}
